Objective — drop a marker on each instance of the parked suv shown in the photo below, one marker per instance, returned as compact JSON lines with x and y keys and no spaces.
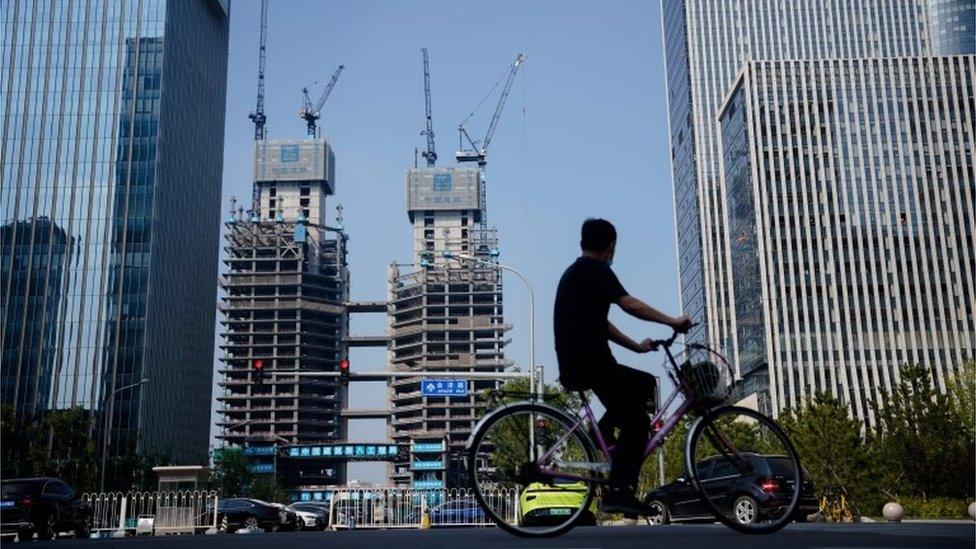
{"x":45,"y":506}
{"x":761,"y":490}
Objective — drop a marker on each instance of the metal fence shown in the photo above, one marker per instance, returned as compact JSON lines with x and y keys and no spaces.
{"x":120,"y":514}
{"x":407,"y":507}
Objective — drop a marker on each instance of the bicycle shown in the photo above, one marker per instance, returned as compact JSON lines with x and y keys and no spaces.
{"x":535,"y":467}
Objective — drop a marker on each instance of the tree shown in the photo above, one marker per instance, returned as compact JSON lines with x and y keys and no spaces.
{"x":265,"y":489}
{"x":508,"y":438}
{"x":674,"y":460}
{"x":56,"y":444}
{"x":828,"y":441}
{"x":924,"y":445}
{"x":231,"y":475}
{"x":962,"y":390}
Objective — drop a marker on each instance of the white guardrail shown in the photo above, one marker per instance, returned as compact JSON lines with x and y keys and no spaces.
{"x":406,"y":507}
{"x":118,"y":514}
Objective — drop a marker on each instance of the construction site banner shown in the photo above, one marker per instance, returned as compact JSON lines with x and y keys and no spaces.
{"x":443,"y":189}
{"x":294,"y":160}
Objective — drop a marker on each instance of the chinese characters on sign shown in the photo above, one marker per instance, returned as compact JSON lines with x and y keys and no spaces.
{"x":345,"y":451}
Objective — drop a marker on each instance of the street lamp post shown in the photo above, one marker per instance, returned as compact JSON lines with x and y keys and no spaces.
{"x":534,"y":387}
{"x":107,"y":437}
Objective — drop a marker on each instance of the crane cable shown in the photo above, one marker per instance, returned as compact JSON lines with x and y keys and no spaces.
{"x":485,"y":98}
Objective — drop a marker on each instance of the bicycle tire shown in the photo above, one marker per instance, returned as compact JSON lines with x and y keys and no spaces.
{"x":698,"y":428}
{"x":476,"y":440}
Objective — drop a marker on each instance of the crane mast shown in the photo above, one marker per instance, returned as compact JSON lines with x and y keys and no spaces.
{"x":258,"y":116}
{"x":430,"y":154}
{"x":311,"y":113}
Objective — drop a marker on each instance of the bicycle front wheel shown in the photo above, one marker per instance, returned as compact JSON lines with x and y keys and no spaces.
{"x":746,"y":470}
{"x":532,"y":472}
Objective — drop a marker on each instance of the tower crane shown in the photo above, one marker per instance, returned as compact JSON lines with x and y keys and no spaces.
{"x":476,"y":154}
{"x":431,"y":154}
{"x":258,"y":116}
{"x":310,"y":112}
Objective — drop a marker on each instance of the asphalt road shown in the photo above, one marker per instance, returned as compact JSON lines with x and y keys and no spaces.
{"x":797,"y":536}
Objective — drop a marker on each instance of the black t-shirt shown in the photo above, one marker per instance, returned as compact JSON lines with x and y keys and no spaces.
{"x":583,"y":299}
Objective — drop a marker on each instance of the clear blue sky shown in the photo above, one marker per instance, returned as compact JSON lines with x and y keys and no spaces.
{"x":592,"y":140}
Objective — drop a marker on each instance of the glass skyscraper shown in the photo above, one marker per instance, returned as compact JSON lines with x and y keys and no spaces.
{"x":112,"y":129}
{"x":850,"y":186}
{"x":707,"y":43}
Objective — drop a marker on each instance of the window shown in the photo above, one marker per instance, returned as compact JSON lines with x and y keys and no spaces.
{"x":722,"y":469}
{"x":705,"y":469}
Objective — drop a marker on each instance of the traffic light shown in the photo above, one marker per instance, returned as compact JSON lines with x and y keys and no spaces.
{"x":658,"y":425}
{"x":344,"y":372}
{"x":258,"y":367}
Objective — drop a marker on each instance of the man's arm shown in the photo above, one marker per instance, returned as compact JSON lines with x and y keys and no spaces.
{"x":621,"y":339}
{"x":637,"y":308}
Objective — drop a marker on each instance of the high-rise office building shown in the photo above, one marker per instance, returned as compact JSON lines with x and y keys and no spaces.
{"x":706,"y":42}
{"x":284,"y":310}
{"x":850,"y":186}
{"x":110,"y":176}
{"x":446,"y":315}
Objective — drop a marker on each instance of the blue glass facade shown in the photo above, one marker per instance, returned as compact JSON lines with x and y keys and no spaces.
{"x":110,"y":165}
{"x":953,"y":26}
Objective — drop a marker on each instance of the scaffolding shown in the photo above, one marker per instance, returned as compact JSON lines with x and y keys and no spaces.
{"x":444,"y":317}
{"x":283,"y":302}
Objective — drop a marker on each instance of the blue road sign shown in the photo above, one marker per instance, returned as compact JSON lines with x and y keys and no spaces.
{"x":444,"y":387}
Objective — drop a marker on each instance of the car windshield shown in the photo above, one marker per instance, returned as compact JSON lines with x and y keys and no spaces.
{"x":19,"y":489}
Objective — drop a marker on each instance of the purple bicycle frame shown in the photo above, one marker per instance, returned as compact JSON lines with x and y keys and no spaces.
{"x":586,"y":414}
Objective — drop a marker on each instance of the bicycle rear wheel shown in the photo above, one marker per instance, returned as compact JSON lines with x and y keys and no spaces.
{"x":532,"y":473}
{"x":746,"y":470}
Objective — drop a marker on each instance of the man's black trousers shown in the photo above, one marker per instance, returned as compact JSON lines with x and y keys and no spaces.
{"x":625,"y":393}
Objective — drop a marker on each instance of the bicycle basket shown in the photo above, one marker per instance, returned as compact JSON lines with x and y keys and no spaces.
{"x":705,"y":373}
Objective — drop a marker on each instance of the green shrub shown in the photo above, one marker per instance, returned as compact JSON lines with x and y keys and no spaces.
{"x":934,"y":508}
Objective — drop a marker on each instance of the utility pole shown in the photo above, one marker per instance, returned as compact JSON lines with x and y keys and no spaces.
{"x":107,"y":436}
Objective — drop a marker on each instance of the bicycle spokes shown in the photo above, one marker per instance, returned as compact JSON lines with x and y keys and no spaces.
{"x":747,"y":471}
{"x":544,"y":465}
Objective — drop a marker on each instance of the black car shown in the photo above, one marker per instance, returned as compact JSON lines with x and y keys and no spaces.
{"x":42,"y":506}
{"x":235,"y":513}
{"x":757,"y":491}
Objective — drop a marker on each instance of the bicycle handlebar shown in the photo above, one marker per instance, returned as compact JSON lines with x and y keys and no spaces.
{"x":669,"y":341}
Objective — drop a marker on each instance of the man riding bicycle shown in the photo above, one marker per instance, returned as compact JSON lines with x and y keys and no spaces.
{"x":582,"y":335}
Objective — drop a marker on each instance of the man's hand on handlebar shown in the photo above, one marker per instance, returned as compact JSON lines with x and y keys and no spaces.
{"x":682,"y":324}
{"x":647,"y":346}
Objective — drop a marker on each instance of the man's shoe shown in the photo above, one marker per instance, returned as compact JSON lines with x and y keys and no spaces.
{"x":620,"y":501}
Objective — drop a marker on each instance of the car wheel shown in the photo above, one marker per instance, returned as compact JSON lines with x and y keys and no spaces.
{"x":84,"y":528}
{"x":47,"y":528}
{"x":663,"y":516}
{"x":24,"y":535}
{"x":745,"y":510}
{"x":251,"y":523}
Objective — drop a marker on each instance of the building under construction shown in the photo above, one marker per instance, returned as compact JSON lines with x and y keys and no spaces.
{"x":445,"y":315}
{"x":283,"y":309}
